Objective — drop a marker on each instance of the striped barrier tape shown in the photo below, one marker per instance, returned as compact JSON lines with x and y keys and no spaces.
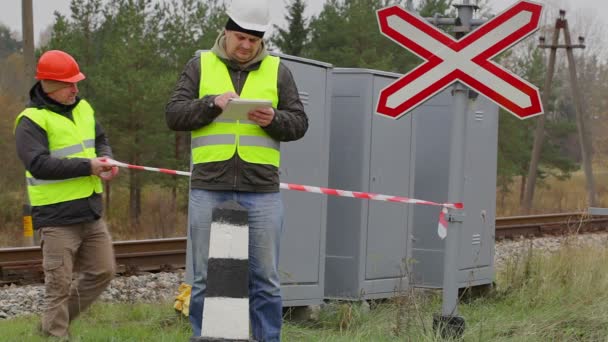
{"x":441,"y":227}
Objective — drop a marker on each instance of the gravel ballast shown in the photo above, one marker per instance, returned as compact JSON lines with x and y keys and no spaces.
{"x":162,"y":287}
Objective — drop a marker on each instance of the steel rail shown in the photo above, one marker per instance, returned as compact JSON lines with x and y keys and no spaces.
{"x":550,"y":224}
{"x":24,"y":264}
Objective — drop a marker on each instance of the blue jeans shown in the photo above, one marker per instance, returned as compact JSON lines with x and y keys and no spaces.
{"x":265,"y":213}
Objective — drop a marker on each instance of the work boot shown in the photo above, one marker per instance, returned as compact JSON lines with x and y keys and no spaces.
{"x":40,"y":331}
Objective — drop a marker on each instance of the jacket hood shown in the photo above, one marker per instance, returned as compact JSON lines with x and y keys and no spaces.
{"x":39,"y":99}
{"x":219,"y":49}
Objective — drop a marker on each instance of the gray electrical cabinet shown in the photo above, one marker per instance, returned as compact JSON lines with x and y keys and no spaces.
{"x":305,"y":161}
{"x":376,"y":249}
{"x":367,"y":241}
{"x":432,"y":131}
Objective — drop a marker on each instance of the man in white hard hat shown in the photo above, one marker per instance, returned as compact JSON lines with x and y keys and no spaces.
{"x":239,"y":160}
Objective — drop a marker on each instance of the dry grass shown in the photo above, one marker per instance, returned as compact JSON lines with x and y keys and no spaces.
{"x":160,"y":218}
{"x":11,"y":219}
{"x":555,"y":196}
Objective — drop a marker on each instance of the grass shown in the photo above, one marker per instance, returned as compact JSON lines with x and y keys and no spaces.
{"x":558,"y":297}
{"x":159,"y":218}
{"x":555,"y":196}
{"x":561,"y":296}
{"x":110,"y":322}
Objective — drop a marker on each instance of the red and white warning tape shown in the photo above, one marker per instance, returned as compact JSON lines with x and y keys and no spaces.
{"x":147,"y":168}
{"x":441,"y":229}
{"x":366,"y":195}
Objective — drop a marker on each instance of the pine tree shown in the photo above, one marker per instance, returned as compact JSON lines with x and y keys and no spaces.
{"x":294,"y":39}
{"x":428,"y":8}
{"x":8,"y":44}
{"x":346,"y":34}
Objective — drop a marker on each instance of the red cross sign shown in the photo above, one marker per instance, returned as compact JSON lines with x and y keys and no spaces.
{"x":467,"y":60}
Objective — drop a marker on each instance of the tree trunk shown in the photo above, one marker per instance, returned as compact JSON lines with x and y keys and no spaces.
{"x":107,"y":192}
{"x":522,"y":189}
{"x":133,"y":216}
{"x":134,"y":196}
{"x":173,"y":204}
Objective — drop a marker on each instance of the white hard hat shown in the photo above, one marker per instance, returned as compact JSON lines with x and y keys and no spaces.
{"x":250,"y":14}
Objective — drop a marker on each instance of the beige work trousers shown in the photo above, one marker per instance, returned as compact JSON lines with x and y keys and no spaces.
{"x":78,"y":262}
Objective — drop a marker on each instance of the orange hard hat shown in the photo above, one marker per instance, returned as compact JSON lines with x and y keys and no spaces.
{"x":58,"y":66}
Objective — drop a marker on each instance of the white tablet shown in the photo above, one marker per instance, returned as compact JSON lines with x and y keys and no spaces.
{"x":237,"y":109}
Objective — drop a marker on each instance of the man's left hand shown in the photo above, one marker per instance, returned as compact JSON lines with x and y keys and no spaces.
{"x":109,"y":175}
{"x":262,"y":116}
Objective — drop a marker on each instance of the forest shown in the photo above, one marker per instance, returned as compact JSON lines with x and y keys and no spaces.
{"x":133,"y":51}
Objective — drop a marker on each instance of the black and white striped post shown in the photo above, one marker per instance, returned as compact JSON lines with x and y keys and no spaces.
{"x":226,"y":310}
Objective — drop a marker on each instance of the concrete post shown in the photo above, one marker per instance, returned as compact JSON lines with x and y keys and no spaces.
{"x":226,"y":310}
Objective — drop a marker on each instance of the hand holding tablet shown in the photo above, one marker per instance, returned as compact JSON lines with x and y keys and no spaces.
{"x":237,"y":108}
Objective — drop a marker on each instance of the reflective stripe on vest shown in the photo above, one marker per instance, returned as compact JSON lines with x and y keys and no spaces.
{"x":67,"y":139}
{"x":67,"y":151}
{"x":221,"y":139}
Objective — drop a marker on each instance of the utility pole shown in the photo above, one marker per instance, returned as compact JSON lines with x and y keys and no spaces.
{"x":560,"y":24}
{"x":409,"y":5}
{"x":580,"y":120}
{"x":27,"y":26}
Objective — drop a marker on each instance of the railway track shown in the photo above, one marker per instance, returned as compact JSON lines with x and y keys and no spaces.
{"x":24,"y":264}
{"x":551,"y":224}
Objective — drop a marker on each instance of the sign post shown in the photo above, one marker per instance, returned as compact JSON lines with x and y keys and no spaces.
{"x":449,"y":323}
{"x":464,"y":62}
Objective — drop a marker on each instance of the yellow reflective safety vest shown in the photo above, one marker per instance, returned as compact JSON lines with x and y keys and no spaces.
{"x":67,"y":139}
{"x":221,"y":139}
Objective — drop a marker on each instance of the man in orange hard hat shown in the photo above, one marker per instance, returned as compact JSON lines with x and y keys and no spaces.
{"x":62,"y":147}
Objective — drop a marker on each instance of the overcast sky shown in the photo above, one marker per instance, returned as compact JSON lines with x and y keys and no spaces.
{"x":10,"y":10}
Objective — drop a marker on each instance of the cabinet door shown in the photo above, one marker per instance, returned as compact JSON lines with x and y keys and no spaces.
{"x":432,"y":134}
{"x":305,"y":162}
{"x":477,"y":242}
{"x":387,"y":225}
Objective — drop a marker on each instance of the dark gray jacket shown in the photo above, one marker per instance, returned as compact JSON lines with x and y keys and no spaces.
{"x":33,"y":150}
{"x":186,"y":112}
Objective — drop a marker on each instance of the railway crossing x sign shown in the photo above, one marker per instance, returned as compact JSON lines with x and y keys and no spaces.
{"x":467,"y":60}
